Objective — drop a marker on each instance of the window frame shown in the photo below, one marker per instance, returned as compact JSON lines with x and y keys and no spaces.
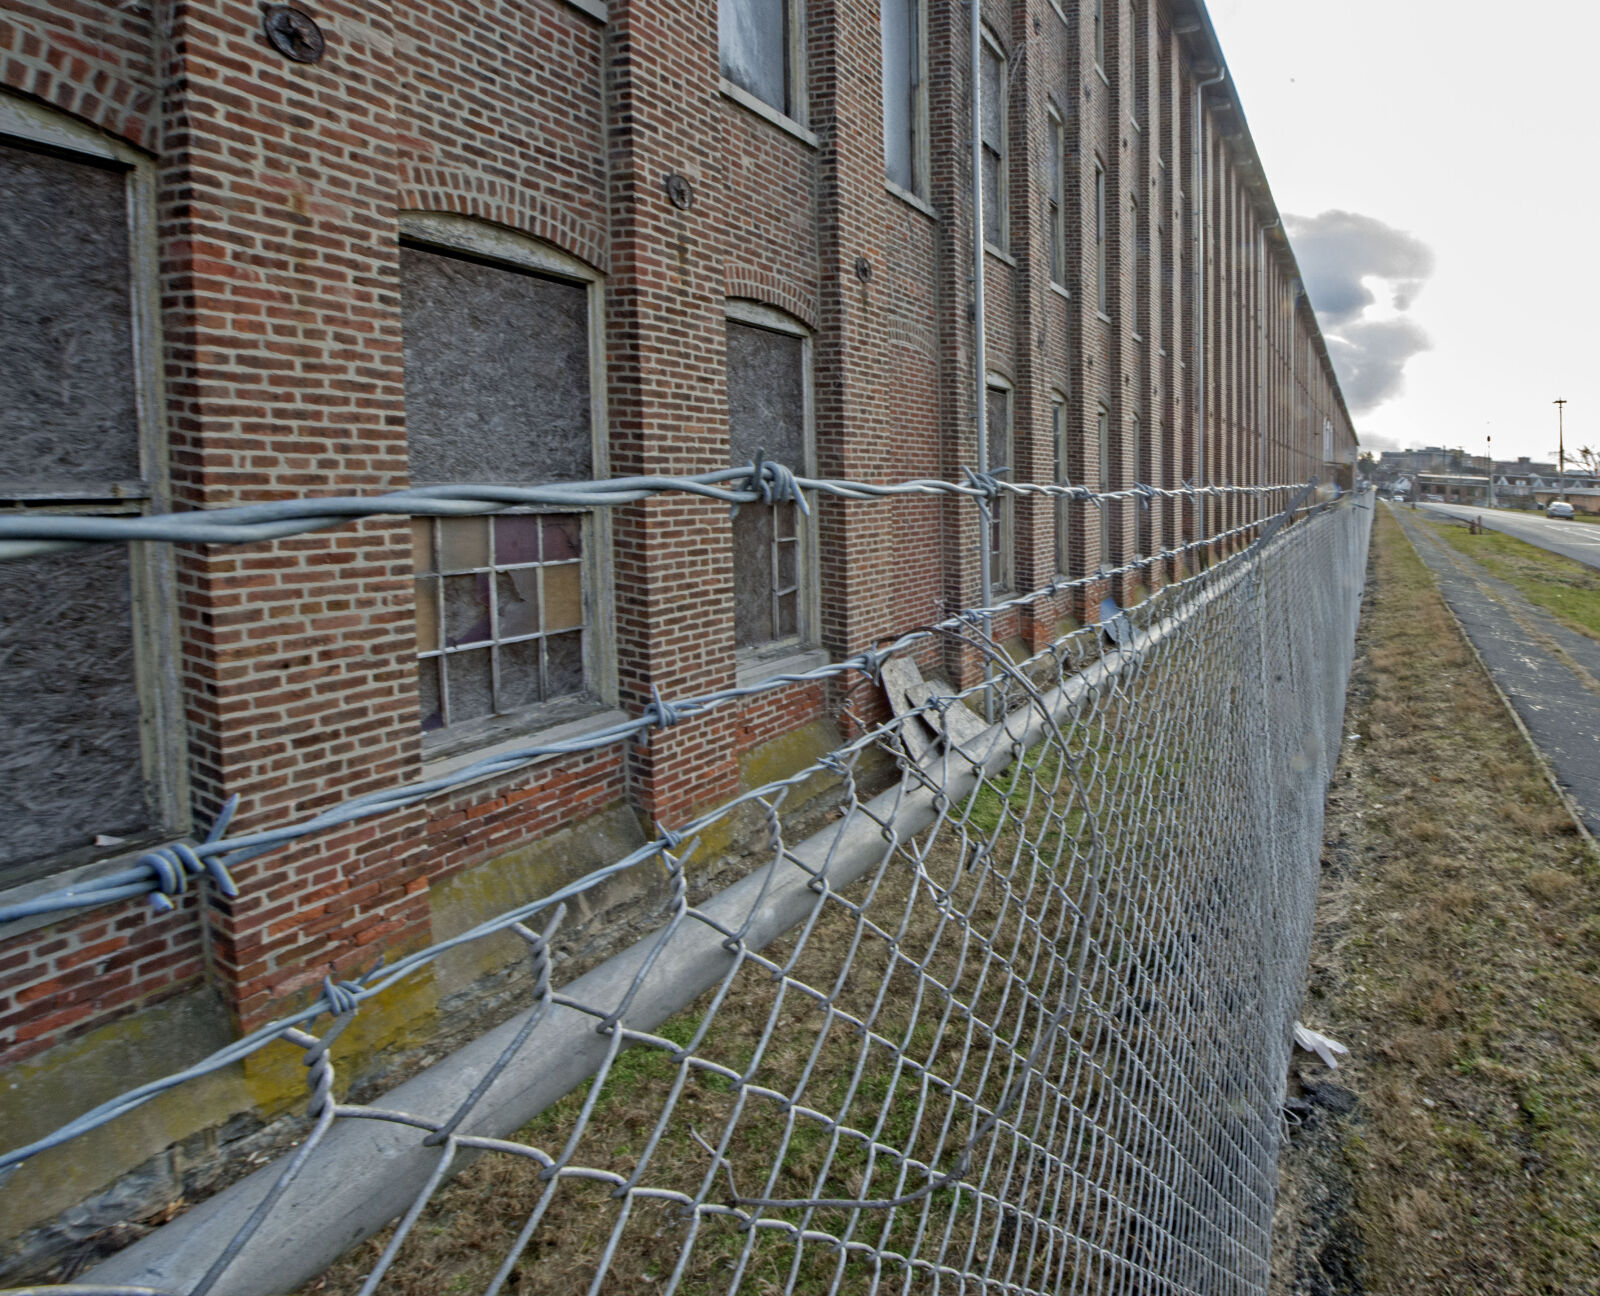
{"x":153,"y":610}
{"x":1003,"y":152}
{"x":920,"y":160}
{"x":1103,"y":479}
{"x":1060,"y":410}
{"x":1056,"y":203}
{"x":1102,"y":278}
{"x":1005,"y":579}
{"x":1136,"y":279}
{"x":447,"y":233}
{"x":796,"y":109}
{"x":808,"y":610}
{"x":1100,"y":37}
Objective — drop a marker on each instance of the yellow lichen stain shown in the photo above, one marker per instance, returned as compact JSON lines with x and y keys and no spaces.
{"x":42,"y":1094}
{"x":397,"y":1018}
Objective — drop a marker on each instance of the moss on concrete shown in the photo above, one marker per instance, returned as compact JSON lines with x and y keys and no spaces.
{"x":43,"y":1093}
{"x":538,"y":869}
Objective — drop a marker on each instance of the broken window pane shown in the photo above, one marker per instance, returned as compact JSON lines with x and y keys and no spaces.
{"x":70,"y":758}
{"x":69,"y":417}
{"x":754,"y":40}
{"x":496,"y":373}
{"x":766,"y":411}
{"x":497,"y":390}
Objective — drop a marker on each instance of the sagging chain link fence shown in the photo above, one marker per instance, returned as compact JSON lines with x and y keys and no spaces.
{"x":168,"y":872}
{"x":1019,"y":1022}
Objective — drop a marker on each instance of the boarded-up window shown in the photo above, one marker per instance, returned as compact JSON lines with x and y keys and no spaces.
{"x":69,"y":412}
{"x":902,"y":89}
{"x":754,"y":38}
{"x":766,"y":413}
{"x":497,"y":391}
{"x":497,"y":373}
{"x":992,"y":69}
{"x":71,"y":766}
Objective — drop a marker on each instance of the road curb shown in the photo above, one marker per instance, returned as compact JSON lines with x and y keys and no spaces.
{"x":1567,"y":803}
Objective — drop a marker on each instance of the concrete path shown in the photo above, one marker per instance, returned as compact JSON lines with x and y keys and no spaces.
{"x":1550,"y":673}
{"x":1579,"y":541}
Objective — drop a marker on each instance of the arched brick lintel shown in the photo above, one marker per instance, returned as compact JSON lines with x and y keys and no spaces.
{"x":34,"y":63}
{"x":437,"y":189}
{"x":771,"y":290}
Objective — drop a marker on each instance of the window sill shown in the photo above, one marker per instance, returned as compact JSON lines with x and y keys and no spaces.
{"x":1060,"y":12}
{"x":71,"y":878}
{"x":906,"y":196}
{"x":757,"y":665}
{"x":1060,"y":291}
{"x":1137,"y":337}
{"x":445,"y":763}
{"x":1104,"y":318}
{"x":1000,"y":255}
{"x":767,"y":112}
{"x":1101,"y":73}
{"x":594,"y":8}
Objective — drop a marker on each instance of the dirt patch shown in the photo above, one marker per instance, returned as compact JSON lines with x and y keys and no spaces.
{"x":1457,"y":951}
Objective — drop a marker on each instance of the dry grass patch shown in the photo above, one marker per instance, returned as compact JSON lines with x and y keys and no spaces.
{"x":1475,"y":1153}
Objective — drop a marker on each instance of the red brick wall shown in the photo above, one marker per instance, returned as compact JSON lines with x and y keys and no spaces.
{"x":280,"y":191}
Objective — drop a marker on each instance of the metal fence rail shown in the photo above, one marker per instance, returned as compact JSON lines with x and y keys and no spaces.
{"x":1017,"y":1023}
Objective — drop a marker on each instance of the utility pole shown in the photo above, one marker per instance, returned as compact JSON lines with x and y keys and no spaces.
{"x":1561,"y":449}
{"x":1488,"y":458}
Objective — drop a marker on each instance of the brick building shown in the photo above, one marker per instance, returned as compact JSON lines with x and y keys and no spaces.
{"x":251,"y":256}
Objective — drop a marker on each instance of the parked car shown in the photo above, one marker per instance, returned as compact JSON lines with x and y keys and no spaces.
{"x":1559,"y":509}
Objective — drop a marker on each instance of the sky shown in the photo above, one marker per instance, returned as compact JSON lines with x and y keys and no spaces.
{"x":1436,"y":168}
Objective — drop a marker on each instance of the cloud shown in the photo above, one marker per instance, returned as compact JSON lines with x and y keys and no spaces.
{"x":1371,"y":356}
{"x":1348,"y":260}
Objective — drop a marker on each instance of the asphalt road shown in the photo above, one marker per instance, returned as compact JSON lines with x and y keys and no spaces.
{"x":1579,"y":541}
{"x":1550,"y":674}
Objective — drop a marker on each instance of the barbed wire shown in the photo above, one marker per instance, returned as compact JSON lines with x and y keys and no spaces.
{"x":28,"y":533}
{"x":340,"y":998}
{"x":166,"y":873}
{"x":1016,"y":1020}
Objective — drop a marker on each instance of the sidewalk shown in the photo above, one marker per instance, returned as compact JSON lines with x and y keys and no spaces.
{"x":1551,"y":674}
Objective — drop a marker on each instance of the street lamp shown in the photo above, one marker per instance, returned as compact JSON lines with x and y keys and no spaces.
{"x":1561,"y":449}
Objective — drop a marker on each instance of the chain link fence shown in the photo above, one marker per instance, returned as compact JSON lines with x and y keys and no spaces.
{"x":1019,"y":1022}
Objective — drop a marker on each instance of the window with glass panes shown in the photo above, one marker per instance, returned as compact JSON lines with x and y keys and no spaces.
{"x":1058,"y":441}
{"x":992,"y":115}
{"x":997,"y":418}
{"x":498,"y":391}
{"x":1056,"y":203}
{"x":1101,"y":290}
{"x":768,"y":414}
{"x":904,"y":94}
{"x":760,"y":47}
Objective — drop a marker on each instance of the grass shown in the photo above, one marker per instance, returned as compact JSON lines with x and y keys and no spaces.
{"x":1566,"y":589}
{"x":848,"y":1062}
{"x":1458,"y":954}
